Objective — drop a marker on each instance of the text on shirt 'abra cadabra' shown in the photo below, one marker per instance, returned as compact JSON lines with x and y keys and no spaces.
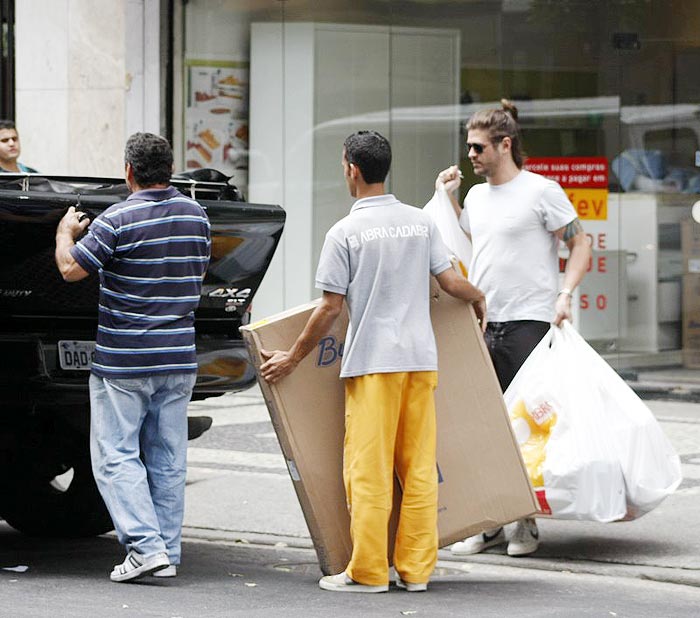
{"x":391,"y":231}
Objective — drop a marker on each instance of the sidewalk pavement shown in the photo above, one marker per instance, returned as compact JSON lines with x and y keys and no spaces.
{"x":663,"y":546}
{"x":668,"y":382}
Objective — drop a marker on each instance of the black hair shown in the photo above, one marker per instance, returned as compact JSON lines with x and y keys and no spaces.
{"x":7,"y":124}
{"x":371,"y":152}
{"x":150,"y":157}
{"x":500,"y":123}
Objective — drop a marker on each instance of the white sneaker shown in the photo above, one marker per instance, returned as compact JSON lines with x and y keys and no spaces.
{"x":525,"y":539}
{"x":478,"y":543}
{"x":170,"y":571}
{"x":342,"y":583}
{"x":135,"y":566}
{"x":410,"y":586}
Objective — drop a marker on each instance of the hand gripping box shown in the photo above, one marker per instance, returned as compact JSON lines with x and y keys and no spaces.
{"x":483,"y":482}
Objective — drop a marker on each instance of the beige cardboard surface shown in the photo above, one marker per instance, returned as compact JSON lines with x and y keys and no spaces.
{"x":307,"y":412}
{"x":483,"y":482}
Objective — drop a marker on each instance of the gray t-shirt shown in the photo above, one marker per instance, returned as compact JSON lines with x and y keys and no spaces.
{"x":380,"y":257}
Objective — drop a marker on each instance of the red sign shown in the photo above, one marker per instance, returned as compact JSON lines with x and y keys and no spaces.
{"x":542,"y":501}
{"x":572,"y":172}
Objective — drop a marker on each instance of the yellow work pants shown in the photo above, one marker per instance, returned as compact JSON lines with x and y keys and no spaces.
{"x":390,"y":426}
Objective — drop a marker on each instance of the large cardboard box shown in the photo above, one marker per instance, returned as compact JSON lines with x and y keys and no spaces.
{"x":483,"y":482}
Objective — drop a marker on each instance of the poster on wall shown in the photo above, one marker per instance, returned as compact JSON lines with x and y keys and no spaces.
{"x":216,"y":118}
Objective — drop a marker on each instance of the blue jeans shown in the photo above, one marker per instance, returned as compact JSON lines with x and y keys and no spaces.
{"x":138,"y":447}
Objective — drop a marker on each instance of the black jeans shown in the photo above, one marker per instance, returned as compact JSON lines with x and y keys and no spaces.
{"x":510,"y":343}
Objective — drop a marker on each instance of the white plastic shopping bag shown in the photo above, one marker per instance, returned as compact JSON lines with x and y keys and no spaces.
{"x":592,"y":448}
{"x":441,"y":211}
{"x":573,"y":466}
{"x":650,"y":464}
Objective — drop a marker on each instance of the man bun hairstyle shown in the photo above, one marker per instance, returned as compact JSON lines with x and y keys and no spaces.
{"x":500,"y":123}
{"x":371,"y":152}
{"x":509,"y":108}
{"x":151,"y":159}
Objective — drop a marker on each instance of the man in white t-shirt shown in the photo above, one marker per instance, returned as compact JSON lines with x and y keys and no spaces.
{"x":515,"y":221}
{"x":378,"y":259}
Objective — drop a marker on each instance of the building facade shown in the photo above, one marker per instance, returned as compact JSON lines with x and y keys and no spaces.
{"x":266,"y":90}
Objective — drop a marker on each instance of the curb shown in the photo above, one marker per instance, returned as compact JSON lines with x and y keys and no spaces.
{"x":665,"y":392}
{"x":668,"y":575}
{"x":237,"y":537}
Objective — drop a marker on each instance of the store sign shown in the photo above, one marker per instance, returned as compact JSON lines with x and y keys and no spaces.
{"x":584,"y":179}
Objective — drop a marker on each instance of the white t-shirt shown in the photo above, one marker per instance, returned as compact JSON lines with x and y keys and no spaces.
{"x":381,"y":257}
{"x":515,"y":260}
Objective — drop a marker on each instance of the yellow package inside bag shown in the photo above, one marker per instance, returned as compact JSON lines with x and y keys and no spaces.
{"x":532,"y":430}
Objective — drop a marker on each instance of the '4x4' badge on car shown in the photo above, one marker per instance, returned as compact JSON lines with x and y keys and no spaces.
{"x":239,"y":297}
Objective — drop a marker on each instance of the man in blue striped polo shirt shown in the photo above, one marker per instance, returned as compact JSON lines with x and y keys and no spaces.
{"x":151,"y":252}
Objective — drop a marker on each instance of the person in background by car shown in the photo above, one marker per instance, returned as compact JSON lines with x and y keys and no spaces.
{"x":389,"y":366}
{"x":10,"y":150}
{"x":151,"y":252}
{"x":515,"y":221}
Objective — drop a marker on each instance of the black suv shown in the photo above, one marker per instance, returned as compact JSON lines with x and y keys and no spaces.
{"x":48,"y":327}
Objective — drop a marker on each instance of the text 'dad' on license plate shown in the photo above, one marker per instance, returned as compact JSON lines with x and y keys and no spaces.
{"x":76,"y":355}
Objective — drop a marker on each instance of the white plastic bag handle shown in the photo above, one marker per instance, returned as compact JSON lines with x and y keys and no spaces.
{"x":441,"y":211}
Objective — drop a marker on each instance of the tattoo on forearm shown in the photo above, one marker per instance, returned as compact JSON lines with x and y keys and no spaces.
{"x":572,"y":229}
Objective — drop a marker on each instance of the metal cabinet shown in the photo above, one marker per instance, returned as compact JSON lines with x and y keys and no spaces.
{"x":650,"y":232}
{"x":313,"y":84}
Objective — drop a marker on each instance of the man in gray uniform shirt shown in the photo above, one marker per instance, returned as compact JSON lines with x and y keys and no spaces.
{"x":378,"y":259}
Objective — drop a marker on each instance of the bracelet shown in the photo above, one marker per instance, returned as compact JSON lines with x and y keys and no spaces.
{"x":566,"y":291}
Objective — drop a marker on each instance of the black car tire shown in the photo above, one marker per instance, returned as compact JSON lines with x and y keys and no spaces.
{"x":33,"y":504}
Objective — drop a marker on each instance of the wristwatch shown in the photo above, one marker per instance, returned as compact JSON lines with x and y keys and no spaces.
{"x":566,"y":291}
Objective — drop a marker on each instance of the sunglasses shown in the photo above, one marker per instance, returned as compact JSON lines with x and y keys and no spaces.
{"x":478,"y":148}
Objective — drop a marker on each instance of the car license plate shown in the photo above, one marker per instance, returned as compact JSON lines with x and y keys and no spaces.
{"x":76,"y":355}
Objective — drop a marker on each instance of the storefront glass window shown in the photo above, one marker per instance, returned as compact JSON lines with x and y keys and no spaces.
{"x":215,"y":84}
{"x":607,"y":93}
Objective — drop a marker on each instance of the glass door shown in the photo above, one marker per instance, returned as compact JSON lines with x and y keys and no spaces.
{"x":657,"y":175}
